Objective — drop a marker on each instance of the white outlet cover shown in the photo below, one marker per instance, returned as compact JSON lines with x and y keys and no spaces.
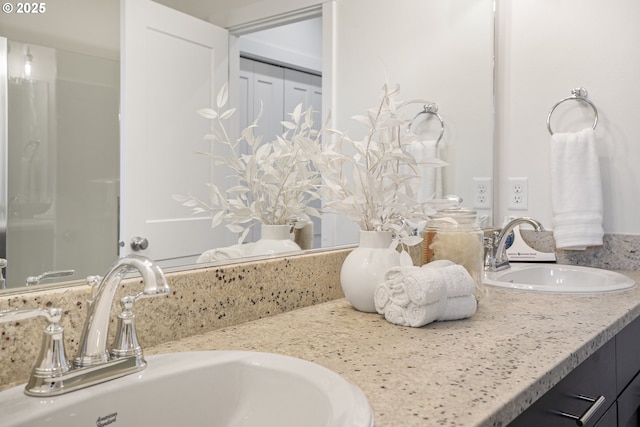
{"x":518,"y":189}
{"x":482,"y":193}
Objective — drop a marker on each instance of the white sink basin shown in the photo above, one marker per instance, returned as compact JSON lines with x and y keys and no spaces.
{"x":208,"y":388}
{"x":557,"y":278}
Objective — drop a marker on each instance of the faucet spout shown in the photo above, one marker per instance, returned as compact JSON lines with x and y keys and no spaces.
{"x":93,"y":341}
{"x":498,"y":259}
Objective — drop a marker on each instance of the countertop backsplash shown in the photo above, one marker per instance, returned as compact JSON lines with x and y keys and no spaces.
{"x":200,"y":301}
{"x":618,"y":252}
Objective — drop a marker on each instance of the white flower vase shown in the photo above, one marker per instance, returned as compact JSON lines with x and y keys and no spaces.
{"x":274,"y":239}
{"x":365,"y":267}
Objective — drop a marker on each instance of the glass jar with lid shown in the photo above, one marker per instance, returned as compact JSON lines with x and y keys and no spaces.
{"x":454,"y":234}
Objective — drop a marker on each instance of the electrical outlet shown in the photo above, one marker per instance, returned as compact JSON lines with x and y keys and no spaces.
{"x":518,"y":194}
{"x":482,"y":192}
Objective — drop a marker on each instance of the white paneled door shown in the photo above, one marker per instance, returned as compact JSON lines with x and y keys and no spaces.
{"x":172,"y":65}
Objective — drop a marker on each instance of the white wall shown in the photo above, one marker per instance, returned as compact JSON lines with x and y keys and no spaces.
{"x":546,"y":48}
{"x":63,"y":21}
{"x":439,"y":51}
{"x":298,"y":44}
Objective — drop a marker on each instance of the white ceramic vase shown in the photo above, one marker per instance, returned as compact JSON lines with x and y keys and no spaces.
{"x":274,"y":239}
{"x":364,"y":268}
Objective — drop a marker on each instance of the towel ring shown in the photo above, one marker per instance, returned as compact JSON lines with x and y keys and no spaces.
{"x":578,"y":94}
{"x":433,"y":110}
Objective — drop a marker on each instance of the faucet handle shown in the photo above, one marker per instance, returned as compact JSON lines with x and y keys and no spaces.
{"x":52,"y":360}
{"x":94,"y":282}
{"x":126,"y":342}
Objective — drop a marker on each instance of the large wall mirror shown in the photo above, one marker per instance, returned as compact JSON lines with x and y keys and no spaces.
{"x":62,"y":107}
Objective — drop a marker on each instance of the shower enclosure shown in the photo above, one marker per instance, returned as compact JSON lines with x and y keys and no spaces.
{"x":59,"y":161}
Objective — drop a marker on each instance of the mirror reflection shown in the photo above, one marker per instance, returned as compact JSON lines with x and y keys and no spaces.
{"x":63,"y":205}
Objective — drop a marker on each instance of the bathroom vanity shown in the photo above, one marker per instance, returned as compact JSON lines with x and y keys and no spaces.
{"x":482,"y":371}
{"x":603,"y":391}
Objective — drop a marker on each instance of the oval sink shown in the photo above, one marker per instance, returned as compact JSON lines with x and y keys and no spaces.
{"x":570,"y":279}
{"x":207,"y":388}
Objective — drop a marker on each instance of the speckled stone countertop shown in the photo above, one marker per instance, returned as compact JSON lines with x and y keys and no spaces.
{"x":481,"y":371}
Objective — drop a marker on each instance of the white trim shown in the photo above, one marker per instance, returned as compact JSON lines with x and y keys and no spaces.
{"x":329,"y":221}
{"x":275,"y":21}
{"x":4,"y":141}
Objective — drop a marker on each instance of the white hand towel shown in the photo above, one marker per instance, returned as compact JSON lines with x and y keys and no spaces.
{"x":431,"y":176}
{"x":576,"y":190}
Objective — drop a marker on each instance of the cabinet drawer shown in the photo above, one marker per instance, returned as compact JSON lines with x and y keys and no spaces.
{"x":609,"y":419}
{"x":629,"y":404}
{"x":595,"y":377}
{"x":627,"y":354}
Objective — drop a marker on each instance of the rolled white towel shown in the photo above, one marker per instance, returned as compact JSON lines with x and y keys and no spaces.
{"x":426,"y":285}
{"x":399,"y":294}
{"x":459,"y":308}
{"x":439,"y":263}
{"x":395,"y":315}
{"x":419,"y":315}
{"x":396,"y":274}
{"x":420,"y":286}
{"x":381,"y":297}
{"x":457,"y":281}
{"x":416,"y":296}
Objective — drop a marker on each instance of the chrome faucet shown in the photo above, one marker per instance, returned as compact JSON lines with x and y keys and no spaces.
{"x":53,"y":375}
{"x":496,"y":258}
{"x":93,"y":341}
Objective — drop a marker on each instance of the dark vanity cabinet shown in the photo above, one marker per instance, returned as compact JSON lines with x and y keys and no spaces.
{"x":627,"y":368}
{"x":603,"y":391}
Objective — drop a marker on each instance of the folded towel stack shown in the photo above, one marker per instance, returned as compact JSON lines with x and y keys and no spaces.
{"x":416,"y":296}
{"x":576,"y":190}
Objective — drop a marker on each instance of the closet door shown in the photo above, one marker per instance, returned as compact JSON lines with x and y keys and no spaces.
{"x":268,"y":88}
{"x":245,"y":93}
{"x":303,"y":88}
{"x":306,"y":89}
{"x":261,"y":83}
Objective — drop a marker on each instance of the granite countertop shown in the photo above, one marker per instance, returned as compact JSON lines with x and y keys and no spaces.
{"x":481,"y":371}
